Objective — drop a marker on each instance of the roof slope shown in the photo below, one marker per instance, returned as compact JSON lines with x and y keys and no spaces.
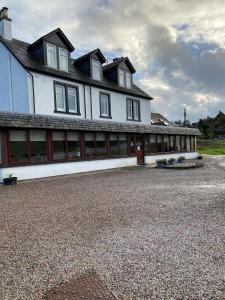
{"x":19,"y":120}
{"x":158,"y":119}
{"x":20,"y":50}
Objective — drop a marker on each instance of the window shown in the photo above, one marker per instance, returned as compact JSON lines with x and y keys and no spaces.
{"x":153,"y":143}
{"x":52,"y":56}
{"x":57,"y":57}
{"x":128,"y":80}
{"x":172,"y":143}
{"x":188,"y":142}
{"x":96,"y":69}
{"x":105,"y":110}
{"x":73,"y":145}
{"x":159,"y":143}
{"x":101,"y":149}
{"x":133,"y":110}
{"x":121,"y":78}
{"x":38,"y":145}
{"x":193,"y":147}
{"x":63,"y":59}
{"x":72,"y":100}
{"x":166,"y":143}
{"x":178,"y":143}
{"x":60,"y":97}
{"x":18,"y":146}
{"x":183,"y":143}
{"x":58,"y":145}
{"x":66,"y":98}
{"x":89,"y":141}
{"x":123,"y":146}
{"x":124,"y":79}
{"x":114,"y":145}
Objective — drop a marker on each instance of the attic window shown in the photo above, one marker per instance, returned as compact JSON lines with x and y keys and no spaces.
{"x":63,"y":59}
{"x":52,"y":56}
{"x":96,"y":69}
{"x":57,"y":57}
{"x":124,"y":79}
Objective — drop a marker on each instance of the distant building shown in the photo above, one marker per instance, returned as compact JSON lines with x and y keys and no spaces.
{"x":158,"y":119}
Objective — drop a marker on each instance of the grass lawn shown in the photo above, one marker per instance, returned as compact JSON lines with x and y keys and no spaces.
{"x":212,"y":151}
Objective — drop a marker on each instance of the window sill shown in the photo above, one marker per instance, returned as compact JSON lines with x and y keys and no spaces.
{"x":104,"y":117}
{"x":132,"y":120}
{"x":67,"y":113}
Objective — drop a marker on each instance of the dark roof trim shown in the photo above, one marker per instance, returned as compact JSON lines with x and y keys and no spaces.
{"x":55,"y":31}
{"x":118,"y":61}
{"x":85,"y":56}
{"x":19,"y":120}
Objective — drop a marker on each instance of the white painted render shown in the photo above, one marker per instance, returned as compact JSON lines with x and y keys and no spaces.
{"x":13,"y":83}
{"x":89,"y":98}
{"x":48,"y":170}
{"x":150,"y":159}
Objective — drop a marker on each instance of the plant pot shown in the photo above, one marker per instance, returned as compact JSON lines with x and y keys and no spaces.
{"x":10,"y":181}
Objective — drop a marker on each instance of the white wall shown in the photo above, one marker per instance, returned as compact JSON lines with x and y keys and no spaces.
{"x":48,"y":170}
{"x":150,"y":159}
{"x":119,"y":107}
{"x":13,"y":83}
{"x":44,"y":101}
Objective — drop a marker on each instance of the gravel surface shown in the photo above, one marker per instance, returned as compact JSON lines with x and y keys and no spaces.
{"x":147,"y":233}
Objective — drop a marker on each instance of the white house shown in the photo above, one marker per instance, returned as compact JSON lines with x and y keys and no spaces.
{"x":60,"y":115}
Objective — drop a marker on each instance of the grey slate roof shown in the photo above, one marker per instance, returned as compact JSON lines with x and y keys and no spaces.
{"x":20,"y":50}
{"x":19,"y":120}
{"x":158,"y":118}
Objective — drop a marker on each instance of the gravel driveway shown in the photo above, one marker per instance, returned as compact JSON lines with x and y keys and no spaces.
{"x":147,"y":233}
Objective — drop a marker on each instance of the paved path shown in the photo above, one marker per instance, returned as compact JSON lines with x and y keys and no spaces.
{"x":146,"y":233}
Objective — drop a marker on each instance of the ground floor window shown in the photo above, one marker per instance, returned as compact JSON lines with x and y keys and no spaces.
{"x":38,"y":146}
{"x":18,"y":146}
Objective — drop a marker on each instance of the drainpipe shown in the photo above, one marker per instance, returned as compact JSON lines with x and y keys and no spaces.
{"x":33,"y":94}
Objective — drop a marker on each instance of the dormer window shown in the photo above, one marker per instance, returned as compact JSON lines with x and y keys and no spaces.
{"x":57,"y":57}
{"x":52,"y":56}
{"x":63,"y":59}
{"x":124,"y":79}
{"x":96,"y":69}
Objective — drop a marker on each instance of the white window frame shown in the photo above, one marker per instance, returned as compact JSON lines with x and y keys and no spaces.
{"x":107,"y":105}
{"x":48,"y":46}
{"x":99,"y":69}
{"x":135,"y":106}
{"x":63,"y":89}
{"x":122,"y":82}
{"x":76,"y":111}
{"x":65,"y":55}
{"x":128,"y":81}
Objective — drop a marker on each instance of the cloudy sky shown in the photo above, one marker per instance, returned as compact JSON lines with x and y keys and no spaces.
{"x":176,"y":46}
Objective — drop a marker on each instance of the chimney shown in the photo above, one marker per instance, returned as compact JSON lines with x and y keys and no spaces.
{"x":5,"y":24}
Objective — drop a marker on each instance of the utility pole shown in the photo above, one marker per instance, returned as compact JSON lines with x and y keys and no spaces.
{"x":185,"y":117}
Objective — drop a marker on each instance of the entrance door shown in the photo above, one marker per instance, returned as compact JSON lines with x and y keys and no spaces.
{"x":140,"y":150}
{"x":136,"y":148}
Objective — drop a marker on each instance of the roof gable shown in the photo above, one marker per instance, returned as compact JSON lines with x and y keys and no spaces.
{"x":58,"y":34}
{"x":97,"y":52}
{"x":118,"y":62}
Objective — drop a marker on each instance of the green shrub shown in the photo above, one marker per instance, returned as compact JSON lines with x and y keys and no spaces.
{"x":171,"y":161}
{"x":181,"y":159}
{"x":161,"y":162}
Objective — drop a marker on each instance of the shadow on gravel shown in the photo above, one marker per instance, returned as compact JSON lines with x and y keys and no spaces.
{"x":86,"y":286}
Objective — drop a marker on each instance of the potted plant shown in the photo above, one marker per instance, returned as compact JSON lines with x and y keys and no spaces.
{"x":181,"y":159}
{"x":161,"y":162}
{"x":172,"y":161}
{"x":10,"y":180}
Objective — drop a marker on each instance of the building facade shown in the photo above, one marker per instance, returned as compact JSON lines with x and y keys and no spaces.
{"x":60,"y":115}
